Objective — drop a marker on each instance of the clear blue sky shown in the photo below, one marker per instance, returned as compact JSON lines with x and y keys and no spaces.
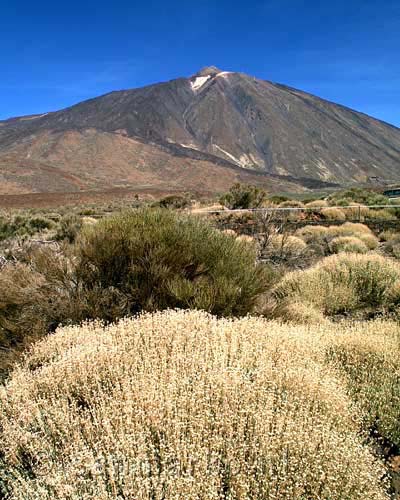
{"x":57,"y":53}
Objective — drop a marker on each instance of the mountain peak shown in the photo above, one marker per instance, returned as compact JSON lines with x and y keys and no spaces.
{"x":208,"y":71}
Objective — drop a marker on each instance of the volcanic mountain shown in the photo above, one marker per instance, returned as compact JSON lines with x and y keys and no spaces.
{"x":200,"y":133}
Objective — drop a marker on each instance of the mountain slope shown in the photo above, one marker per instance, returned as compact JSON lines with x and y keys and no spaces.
{"x":217,"y":117}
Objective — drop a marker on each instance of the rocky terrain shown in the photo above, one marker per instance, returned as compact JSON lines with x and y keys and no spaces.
{"x":198,"y":133}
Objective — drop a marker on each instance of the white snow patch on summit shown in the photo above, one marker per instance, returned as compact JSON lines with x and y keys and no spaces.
{"x":224,"y":74}
{"x":199,"y":82}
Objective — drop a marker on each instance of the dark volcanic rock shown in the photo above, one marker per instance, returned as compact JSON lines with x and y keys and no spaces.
{"x":230,"y":119}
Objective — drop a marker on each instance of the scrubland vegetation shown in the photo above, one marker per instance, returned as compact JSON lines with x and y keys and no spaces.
{"x":185,"y":405}
{"x":168,"y":356}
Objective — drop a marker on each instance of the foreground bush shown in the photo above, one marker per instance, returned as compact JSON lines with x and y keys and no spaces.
{"x":345,"y":283}
{"x":181,"y":405}
{"x":158,"y":259}
{"x":370,"y":360}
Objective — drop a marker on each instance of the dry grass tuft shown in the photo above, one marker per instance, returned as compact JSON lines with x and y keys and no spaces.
{"x":181,"y":405}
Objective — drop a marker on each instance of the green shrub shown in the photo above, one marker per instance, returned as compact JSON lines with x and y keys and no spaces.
{"x":243,"y":196}
{"x":277,"y":199}
{"x":22,"y":225}
{"x":174,"y":201}
{"x":358,"y":195}
{"x":69,"y":228}
{"x":158,"y":259}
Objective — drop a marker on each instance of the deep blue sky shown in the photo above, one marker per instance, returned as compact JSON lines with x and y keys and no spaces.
{"x":56,"y":53}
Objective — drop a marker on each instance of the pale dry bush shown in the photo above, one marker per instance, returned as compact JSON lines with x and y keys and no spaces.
{"x":317,"y":204}
{"x":312,"y":234}
{"x":357,"y":230}
{"x":357,"y":211}
{"x":244,"y":238}
{"x":391,"y":243}
{"x":89,"y":220}
{"x":230,"y":232}
{"x":348,"y":244}
{"x":283,"y":249}
{"x":350,"y":229}
{"x":291,"y":204}
{"x":370,"y":240}
{"x":181,"y":405}
{"x":296,"y":311}
{"x":345,"y":283}
{"x":381,"y":214}
{"x":370,"y":360}
{"x":333,"y":213}
{"x":286,"y":247}
{"x":388,"y":235}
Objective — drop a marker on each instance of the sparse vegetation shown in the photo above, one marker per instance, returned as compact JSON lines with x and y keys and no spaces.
{"x":313,"y":388}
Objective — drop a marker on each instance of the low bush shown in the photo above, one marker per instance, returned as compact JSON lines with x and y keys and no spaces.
{"x":347,"y":244}
{"x":298,"y":312}
{"x":317,"y":204}
{"x":22,"y":225}
{"x":276,"y":199}
{"x":283,"y":249}
{"x":332,"y":213}
{"x":358,"y":195}
{"x":159,"y":259}
{"x":291,"y":204}
{"x":313,"y":234}
{"x":388,"y":235}
{"x":391,"y":243}
{"x":174,"y":201}
{"x":350,"y":229}
{"x":345,"y":283}
{"x":242,"y":196}
{"x":356,"y":212}
{"x":381,"y":214}
{"x":181,"y":405}
{"x":69,"y":228}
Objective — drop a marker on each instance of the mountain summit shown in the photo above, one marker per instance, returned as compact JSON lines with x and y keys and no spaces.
{"x":208,"y":71}
{"x":206,"y":131}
